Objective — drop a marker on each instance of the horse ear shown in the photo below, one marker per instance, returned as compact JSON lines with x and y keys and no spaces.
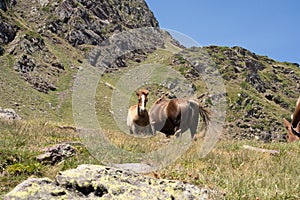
{"x":146,"y":92}
{"x":137,"y":93}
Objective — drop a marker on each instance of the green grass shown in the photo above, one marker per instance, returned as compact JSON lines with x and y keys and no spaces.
{"x":241,"y":173}
{"x":237,"y":172}
{"x":22,"y":141}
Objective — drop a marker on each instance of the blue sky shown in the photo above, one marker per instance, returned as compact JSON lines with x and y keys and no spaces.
{"x":265,"y":27}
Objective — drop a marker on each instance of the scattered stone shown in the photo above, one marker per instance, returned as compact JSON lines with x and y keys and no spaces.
{"x":25,"y":64}
{"x":9,"y":114}
{"x":56,"y":153}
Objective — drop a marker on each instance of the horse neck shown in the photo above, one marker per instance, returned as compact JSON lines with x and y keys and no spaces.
{"x":296,"y":116}
{"x":140,"y":112}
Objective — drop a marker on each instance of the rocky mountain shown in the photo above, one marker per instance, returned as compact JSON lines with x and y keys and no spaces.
{"x":43,"y":44}
{"x":259,"y":91}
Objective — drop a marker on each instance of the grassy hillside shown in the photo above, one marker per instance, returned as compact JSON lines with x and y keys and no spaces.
{"x":39,"y":66}
{"x":237,"y":172}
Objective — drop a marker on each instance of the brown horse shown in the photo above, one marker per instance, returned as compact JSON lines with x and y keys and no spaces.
{"x":175,"y":116}
{"x":294,"y":127}
{"x":138,"y":117}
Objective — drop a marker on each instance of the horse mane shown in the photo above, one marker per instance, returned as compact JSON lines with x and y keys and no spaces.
{"x":160,"y":99}
{"x":296,"y":115}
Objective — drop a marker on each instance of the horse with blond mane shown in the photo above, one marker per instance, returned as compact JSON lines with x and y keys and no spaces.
{"x":138,"y":118}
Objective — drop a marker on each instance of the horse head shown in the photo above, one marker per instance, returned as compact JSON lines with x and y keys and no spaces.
{"x":142,"y":99}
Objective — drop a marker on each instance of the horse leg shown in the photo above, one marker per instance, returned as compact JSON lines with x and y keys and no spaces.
{"x":135,"y":129}
{"x":178,"y":133}
{"x":152,"y":129}
{"x":149,"y":130}
{"x":130,"y":130}
{"x":193,"y":130}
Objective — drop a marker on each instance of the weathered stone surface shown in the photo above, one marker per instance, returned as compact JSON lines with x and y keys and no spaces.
{"x":39,"y":188}
{"x":9,"y":114}
{"x":100,"y":182}
{"x":7,"y":32}
{"x":35,"y":63}
{"x":57,"y":153}
{"x":90,"y":22}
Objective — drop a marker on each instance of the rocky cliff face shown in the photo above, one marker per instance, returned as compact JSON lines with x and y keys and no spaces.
{"x":30,"y":29}
{"x":89,"y":22}
{"x":43,"y":43}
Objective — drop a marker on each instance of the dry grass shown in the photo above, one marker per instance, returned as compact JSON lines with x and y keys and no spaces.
{"x":239,"y":173}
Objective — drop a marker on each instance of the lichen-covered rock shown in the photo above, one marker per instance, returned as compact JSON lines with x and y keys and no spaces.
{"x":100,"y":182}
{"x":39,"y":188}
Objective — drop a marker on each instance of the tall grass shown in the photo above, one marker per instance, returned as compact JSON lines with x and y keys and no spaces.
{"x":237,"y":172}
{"x":22,"y":141}
{"x":241,"y":173}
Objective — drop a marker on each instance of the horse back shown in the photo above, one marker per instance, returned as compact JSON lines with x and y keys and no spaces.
{"x":173,"y":110}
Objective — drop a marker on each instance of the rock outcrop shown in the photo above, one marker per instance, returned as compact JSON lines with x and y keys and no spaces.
{"x":83,"y":24}
{"x":259,"y":89}
{"x":7,"y":32}
{"x":100,"y":182}
{"x":90,"y":22}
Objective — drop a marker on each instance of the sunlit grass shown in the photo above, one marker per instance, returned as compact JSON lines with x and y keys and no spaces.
{"x":237,"y":172}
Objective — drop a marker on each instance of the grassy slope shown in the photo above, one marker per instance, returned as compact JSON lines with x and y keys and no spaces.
{"x":239,"y":173}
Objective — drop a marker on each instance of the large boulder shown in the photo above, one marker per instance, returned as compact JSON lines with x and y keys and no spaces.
{"x":100,"y":182}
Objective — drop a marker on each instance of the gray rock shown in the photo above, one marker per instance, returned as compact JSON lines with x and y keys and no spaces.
{"x":39,"y":188}
{"x":57,"y":153}
{"x":9,"y":114}
{"x":7,"y":32}
{"x":100,"y":182}
{"x":91,"y":22}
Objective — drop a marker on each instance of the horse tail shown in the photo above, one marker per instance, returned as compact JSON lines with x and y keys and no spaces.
{"x":204,"y":114}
